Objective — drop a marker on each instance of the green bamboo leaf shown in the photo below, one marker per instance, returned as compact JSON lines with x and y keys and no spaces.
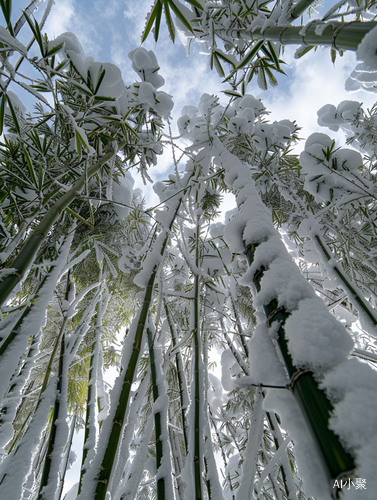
{"x":231,"y":93}
{"x":271,"y":77}
{"x":157,"y":9}
{"x":304,"y":51}
{"x":179,"y":14}
{"x":70,"y":211}
{"x":224,"y":57}
{"x":262,"y":80}
{"x":15,"y":121}
{"x":30,"y":166}
{"x":2,"y":112}
{"x":88,"y":93}
{"x":54,"y":50}
{"x":169,"y":20}
{"x":36,"y":32}
{"x":218,"y":66}
{"x":99,"y":81}
{"x":99,"y":98}
{"x":333,"y":55}
{"x":251,"y":54}
{"x":274,"y":55}
{"x":6,"y":7}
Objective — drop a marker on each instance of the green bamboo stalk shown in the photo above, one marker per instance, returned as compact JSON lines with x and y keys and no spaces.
{"x":183,"y":393}
{"x":103,"y":476}
{"x":157,"y":417}
{"x":89,"y":408}
{"x":353,"y":292}
{"x":28,"y":252}
{"x":315,"y":405}
{"x":344,"y":36}
{"x":53,"y":430}
{"x":300,"y":8}
{"x":197,"y":393}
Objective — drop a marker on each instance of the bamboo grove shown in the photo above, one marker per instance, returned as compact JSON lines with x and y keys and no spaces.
{"x":234,"y":378}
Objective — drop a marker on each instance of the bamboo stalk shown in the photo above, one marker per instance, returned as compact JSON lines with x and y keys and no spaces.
{"x":315,"y":406}
{"x":25,"y":312}
{"x":157,"y":417}
{"x":341,"y":36}
{"x":197,"y":392}
{"x":108,"y":459}
{"x":183,"y":392}
{"x":66,"y":459}
{"x":300,"y":8}
{"x":28,"y":252}
{"x":45,"y":478}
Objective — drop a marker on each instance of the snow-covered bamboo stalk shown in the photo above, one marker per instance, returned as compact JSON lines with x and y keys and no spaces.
{"x":110,"y":438}
{"x":66,"y":458}
{"x":28,"y":252}
{"x":90,"y":420}
{"x":253,"y":444}
{"x":32,"y":323}
{"x":183,"y":391}
{"x":196,"y":397}
{"x":285,"y":466}
{"x":133,"y":420}
{"x":342,"y":36}
{"x":160,"y":411}
{"x":129,"y":486}
{"x":274,"y":275}
{"x":52,"y":462}
{"x":14,"y":469}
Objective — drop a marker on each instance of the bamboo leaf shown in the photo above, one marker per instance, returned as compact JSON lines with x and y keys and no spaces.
{"x":169,"y":20}
{"x":36,"y":32}
{"x":6,"y":7}
{"x":251,"y":54}
{"x":2,"y":112}
{"x":100,"y":79}
{"x":231,"y":93}
{"x":224,"y":57}
{"x":179,"y":14}
{"x":15,"y":121}
{"x":71,"y":212}
{"x":155,"y":14}
{"x":54,"y":50}
{"x":30,"y":166}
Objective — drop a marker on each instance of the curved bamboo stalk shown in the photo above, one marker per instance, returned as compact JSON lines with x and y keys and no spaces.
{"x":28,"y":252}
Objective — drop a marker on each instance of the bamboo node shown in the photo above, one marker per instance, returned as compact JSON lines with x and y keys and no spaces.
{"x":76,"y":193}
{"x":117,"y":422}
{"x":39,"y":233}
{"x":127,"y":382}
{"x":272,"y":314}
{"x":18,"y":275}
{"x":296,"y":376}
